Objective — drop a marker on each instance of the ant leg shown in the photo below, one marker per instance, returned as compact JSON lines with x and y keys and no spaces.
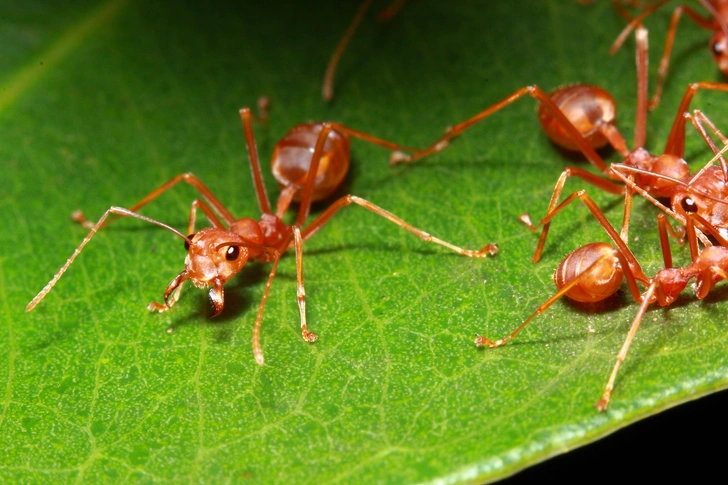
{"x":300,"y":292}
{"x":676,"y":139}
{"x":188,"y":178}
{"x":481,"y":340}
{"x":197,"y":203}
{"x":706,"y":23}
{"x":321,"y":220}
{"x":307,"y":192}
{"x":601,"y":218}
{"x":697,"y":119}
{"x":388,"y":13}
{"x":663,"y":227}
{"x":640,"y":130}
{"x":602,"y":404}
{"x":588,"y":177}
{"x":260,"y":192}
{"x":397,"y":149}
{"x":533,"y":91}
{"x":327,"y":91}
{"x":171,"y":294}
{"x":257,"y":349}
{"x":112,"y":210}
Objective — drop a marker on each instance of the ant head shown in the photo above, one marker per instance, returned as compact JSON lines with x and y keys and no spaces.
{"x":215,"y":256}
{"x":719,"y":49}
{"x":292,"y":159}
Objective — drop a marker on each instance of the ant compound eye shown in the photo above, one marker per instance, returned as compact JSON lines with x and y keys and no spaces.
{"x":688,"y":205}
{"x":187,"y":245}
{"x":232,"y":253}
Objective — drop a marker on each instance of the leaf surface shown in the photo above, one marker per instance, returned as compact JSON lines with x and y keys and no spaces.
{"x":102,"y":102}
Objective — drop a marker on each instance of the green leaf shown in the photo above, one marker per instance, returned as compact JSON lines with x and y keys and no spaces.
{"x":102,"y":102}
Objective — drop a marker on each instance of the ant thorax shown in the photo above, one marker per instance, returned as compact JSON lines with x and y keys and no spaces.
{"x":666,"y":164}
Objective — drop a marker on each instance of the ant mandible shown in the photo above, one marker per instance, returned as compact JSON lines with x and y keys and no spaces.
{"x":595,"y":271}
{"x":216,"y":254}
{"x":717,"y":22}
{"x":582,"y":117}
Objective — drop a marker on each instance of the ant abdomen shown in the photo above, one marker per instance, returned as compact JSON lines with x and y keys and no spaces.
{"x":588,"y":107}
{"x":601,"y":281}
{"x":292,"y":159}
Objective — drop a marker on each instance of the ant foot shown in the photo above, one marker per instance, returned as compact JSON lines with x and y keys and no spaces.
{"x":602,"y":404}
{"x":399,"y":157}
{"x":80,"y":218}
{"x":491,"y":249}
{"x":480,"y":340}
{"x":154,"y":306}
{"x":309,"y":336}
{"x":526,"y":219}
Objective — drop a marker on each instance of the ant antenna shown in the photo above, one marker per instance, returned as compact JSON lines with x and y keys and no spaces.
{"x":112,"y":210}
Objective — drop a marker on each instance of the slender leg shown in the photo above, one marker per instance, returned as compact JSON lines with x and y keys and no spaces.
{"x":300,"y":291}
{"x":321,"y":220}
{"x":197,"y":203}
{"x":328,"y":87}
{"x":663,"y":227}
{"x":602,"y":404}
{"x":307,"y":193}
{"x":599,"y":215}
{"x":706,"y":23}
{"x":640,"y":129}
{"x":676,"y":139}
{"x":188,"y":178}
{"x":371,"y":139}
{"x":112,"y":210}
{"x":533,"y":91}
{"x":698,"y":119}
{"x":481,"y":340}
{"x":588,"y":177}
{"x":388,"y":13}
{"x":257,"y":350}
{"x":261,"y":194}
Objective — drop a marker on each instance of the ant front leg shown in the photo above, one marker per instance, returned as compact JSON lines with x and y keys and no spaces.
{"x":174,"y":289}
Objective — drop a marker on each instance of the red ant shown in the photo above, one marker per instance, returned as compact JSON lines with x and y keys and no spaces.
{"x":717,"y":22}
{"x":216,"y":254}
{"x":327,"y":91}
{"x":582,"y":117}
{"x":595,"y":271}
